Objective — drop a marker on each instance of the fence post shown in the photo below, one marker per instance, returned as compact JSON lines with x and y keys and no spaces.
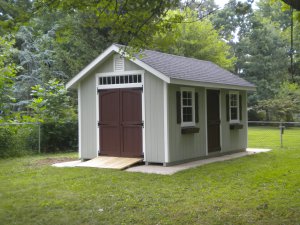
{"x":281,"y":128}
{"x":39,"y":138}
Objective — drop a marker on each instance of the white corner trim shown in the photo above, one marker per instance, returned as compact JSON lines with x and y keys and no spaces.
{"x":166,"y":123}
{"x":79,"y":120}
{"x":83,"y":72}
{"x":220,"y":117}
{"x":144,"y":118}
{"x":205,"y":123}
{"x":97,"y":118}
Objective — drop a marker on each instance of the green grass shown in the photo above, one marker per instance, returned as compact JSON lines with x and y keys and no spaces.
{"x":269,"y":137}
{"x":258,"y":189}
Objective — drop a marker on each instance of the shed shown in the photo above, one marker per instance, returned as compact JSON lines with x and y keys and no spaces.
{"x":164,"y":108}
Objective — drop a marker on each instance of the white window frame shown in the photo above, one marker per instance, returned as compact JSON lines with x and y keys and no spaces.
{"x":237,"y":106}
{"x":121,"y":85}
{"x":192,"y":123}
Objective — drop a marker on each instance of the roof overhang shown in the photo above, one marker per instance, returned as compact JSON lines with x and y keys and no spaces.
{"x":73,"y":83}
{"x":212,"y":85}
{"x":295,"y":4}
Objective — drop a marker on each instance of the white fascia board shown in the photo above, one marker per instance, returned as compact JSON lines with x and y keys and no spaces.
{"x":211,"y":85}
{"x":89,"y":67}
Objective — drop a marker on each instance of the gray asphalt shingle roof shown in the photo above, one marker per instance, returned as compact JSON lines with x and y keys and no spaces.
{"x":183,"y":68}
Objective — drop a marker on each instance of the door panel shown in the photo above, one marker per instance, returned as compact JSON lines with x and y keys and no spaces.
{"x":121,"y":122}
{"x":131,"y":117}
{"x":132,"y":141}
{"x":213,"y":121}
{"x":109,"y":122}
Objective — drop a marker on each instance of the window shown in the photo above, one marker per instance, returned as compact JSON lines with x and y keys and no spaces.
{"x":120,"y":79}
{"x":187,"y":107}
{"x":234,"y":109}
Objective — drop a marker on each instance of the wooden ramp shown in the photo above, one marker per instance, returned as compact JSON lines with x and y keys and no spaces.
{"x":109,"y":162}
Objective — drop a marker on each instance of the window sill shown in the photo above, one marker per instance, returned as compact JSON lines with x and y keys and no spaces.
{"x":189,"y":130}
{"x":236,"y":126}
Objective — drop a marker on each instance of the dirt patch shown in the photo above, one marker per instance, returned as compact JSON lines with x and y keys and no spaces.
{"x":50,"y":161}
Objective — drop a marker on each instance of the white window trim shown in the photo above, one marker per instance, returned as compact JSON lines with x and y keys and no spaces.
{"x":126,"y":85}
{"x":187,"y":124}
{"x":238,"y":106}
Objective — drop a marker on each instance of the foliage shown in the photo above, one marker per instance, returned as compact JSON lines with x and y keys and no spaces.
{"x":195,"y":38}
{"x":130,"y":22}
{"x":14,"y":14}
{"x":257,"y":189}
{"x":36,"y":56}
{"x":18,"y":140}
{"x":8,"y":70}
{"x":284,"y":104}
{"x":51,"y":103}
{"x":58,"y":136}
{"x":233,"y":20}
{"x":262,"y":58}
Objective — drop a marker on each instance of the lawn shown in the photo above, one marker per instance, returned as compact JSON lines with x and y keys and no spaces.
{"x":257,"y":189}
{"x":269,"y":137}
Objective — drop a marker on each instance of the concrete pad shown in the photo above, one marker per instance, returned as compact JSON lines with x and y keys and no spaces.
{"x":157,"y":169}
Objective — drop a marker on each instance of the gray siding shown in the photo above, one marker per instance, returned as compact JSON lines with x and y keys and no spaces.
{"x":154,"y":115}
{"x":233,"y":140}
{"x":88,"y":120}
{"x":186,"y":146}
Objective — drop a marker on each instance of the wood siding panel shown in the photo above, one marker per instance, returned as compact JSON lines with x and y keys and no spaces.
{"x":154,"y":123}
{"x":88,"y":118}
{"x":235,"y":139}
{"x":186,"y":146}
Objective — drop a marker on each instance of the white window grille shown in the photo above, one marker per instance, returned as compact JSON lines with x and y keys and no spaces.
{"x":120,"y":79}
{"x":187,"y":107}
{"x":234,"y":107}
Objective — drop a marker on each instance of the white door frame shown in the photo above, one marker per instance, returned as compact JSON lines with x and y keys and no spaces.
{"x":121,"y":86}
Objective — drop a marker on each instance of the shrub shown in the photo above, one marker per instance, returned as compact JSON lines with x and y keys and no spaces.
{"x":17,"y":140}
{"x":59,"y":136}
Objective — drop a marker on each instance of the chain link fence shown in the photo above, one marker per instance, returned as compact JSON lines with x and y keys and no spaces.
{"x":18,"y":139}
{"x":263,"y":134}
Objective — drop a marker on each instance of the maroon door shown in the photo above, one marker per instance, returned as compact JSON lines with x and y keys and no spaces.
{"x":121,"y":122}
{"x":213,"y":121}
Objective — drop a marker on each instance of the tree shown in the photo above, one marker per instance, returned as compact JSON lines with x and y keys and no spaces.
{"x":51,"y":103}
{"x":131,"y":22}
{"x":233,"y":21}
{"x":13,"y":14}
{"x":284,"y":104}
{"x":262,"y":58}
{"x":7,"y":74}
{"x":195,"y":38}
